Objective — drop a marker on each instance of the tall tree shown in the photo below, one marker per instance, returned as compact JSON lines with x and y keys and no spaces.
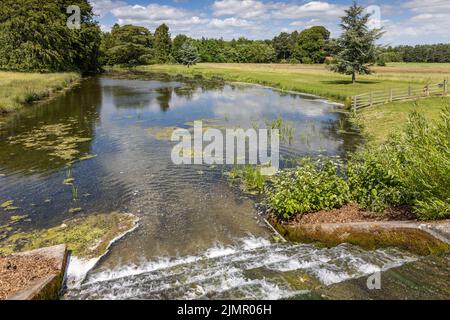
{"x":189,"y":53}
{"x":34,"y":36}
{"x":127,"y":45}
{"x":178,"y":42}
{"x":283,"y":46}
{"x":163,"y":44}
{"x":356,"y":46}
{"x":310,"y":47}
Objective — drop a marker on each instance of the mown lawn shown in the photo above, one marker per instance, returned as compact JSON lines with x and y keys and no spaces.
{"x":18,"y":89}
{"x":315,"y":79}
{"x":379,"y":121}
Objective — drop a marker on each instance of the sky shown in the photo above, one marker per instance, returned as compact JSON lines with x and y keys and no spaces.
{"x":405,"y":22}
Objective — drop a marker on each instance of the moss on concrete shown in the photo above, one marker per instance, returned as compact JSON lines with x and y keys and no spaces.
{"x":370,"y":237}
{"x":86,"y":237}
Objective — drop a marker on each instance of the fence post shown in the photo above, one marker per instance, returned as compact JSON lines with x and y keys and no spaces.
{"x":354,"y":103}
{"x":445,"y":87}
{"x":371,"y":98}
{"x":427,"y":88}
{"x":391,"y":95}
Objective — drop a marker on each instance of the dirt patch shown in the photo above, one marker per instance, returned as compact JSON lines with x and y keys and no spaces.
{"x":18,"y":272}
{"x":352,"y":213}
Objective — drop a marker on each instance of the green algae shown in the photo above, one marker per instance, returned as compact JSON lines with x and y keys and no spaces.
{"x":8,"y":206}
{"x":69,"y":181}
{"x":58,"y":140}
{"x":87,"y":157}
{"x":162,"y":133}
{"x":165,"y":133}
{"x":87,"y":237}
{"x":18,"y":218}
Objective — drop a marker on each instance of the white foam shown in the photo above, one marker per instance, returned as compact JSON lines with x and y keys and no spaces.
{"x":78,"y":269}
{"x":221,"y":271}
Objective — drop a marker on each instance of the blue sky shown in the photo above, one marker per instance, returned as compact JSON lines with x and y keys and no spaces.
{"x":405,"y":21}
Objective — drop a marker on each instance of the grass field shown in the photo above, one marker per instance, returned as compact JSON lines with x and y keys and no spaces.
{"x":316,"y":79}
{"x":18,"y":89}
{"x":380,"y":121}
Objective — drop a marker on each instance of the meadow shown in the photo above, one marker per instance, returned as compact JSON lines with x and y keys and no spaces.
{"x":19,"y":88}
{"x":315,"y":79}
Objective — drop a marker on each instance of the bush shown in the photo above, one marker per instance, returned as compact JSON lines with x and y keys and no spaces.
{"x":306,"y":189}
{"x":373,"y":185}
{"x":424,"y":152}
{"x":412,"y":168}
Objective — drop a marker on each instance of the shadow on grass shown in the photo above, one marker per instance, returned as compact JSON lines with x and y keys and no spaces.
{"x":345,"y":82}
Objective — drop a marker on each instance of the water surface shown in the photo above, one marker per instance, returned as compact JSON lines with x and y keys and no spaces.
{"x":198,"y":236}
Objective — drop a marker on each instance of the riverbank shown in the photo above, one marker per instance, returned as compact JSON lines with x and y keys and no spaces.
{"x":313,"y":79}
{"x":378,"y":122}
{"x":17,"y":89}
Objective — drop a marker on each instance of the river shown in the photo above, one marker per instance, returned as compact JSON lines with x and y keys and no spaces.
{"x":198,"y":237}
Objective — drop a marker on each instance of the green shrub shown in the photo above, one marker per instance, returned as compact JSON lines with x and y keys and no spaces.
{"x":424,"y":152}
{"x":308,"y":188}
{"x":411,"y":168}
{"x":373,"y":184}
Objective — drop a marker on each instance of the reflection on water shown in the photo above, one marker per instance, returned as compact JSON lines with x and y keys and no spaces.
{"x":98,"y":134}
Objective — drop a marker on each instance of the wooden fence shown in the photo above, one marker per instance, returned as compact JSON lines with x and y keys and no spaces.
{"x":374,"y":98}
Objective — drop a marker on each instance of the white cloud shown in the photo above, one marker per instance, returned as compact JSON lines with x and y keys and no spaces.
{"x":428,"y":6}
{"x":246,"y":9}
{"x":313,"y":9}
{"x":153,"y":15}
{"x":230,"y":22}
{"x":103,"y":7}
{"x":430,"y":20}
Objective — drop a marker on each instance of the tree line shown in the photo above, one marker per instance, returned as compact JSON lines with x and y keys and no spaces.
{"x":130,"y":45}
{"x":432,"y":53}
{"x":34,"y":37}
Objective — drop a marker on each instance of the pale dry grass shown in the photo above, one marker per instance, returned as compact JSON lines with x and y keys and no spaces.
{"x":18,"y":89}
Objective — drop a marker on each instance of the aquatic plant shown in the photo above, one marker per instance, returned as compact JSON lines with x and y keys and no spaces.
{"x":285,"y":129}
{"x":248,"y":177}
{"x":74,"y":193}
{"x":57,"y":140}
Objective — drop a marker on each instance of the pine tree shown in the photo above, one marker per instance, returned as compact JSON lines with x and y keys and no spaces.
{"x":189,"y":53}
{"x":162,"y":44}
{"x":356,"y":46}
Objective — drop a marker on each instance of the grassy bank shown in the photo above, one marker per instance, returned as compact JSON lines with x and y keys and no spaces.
{"x":314,"y":79}
{"x":380,"y":121}
{"x":18,"y":89}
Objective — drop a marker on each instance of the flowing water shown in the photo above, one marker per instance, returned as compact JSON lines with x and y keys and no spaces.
{"x":198,"y":236}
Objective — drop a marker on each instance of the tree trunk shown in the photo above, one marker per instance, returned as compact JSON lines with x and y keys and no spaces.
{"x":354,"y":77}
